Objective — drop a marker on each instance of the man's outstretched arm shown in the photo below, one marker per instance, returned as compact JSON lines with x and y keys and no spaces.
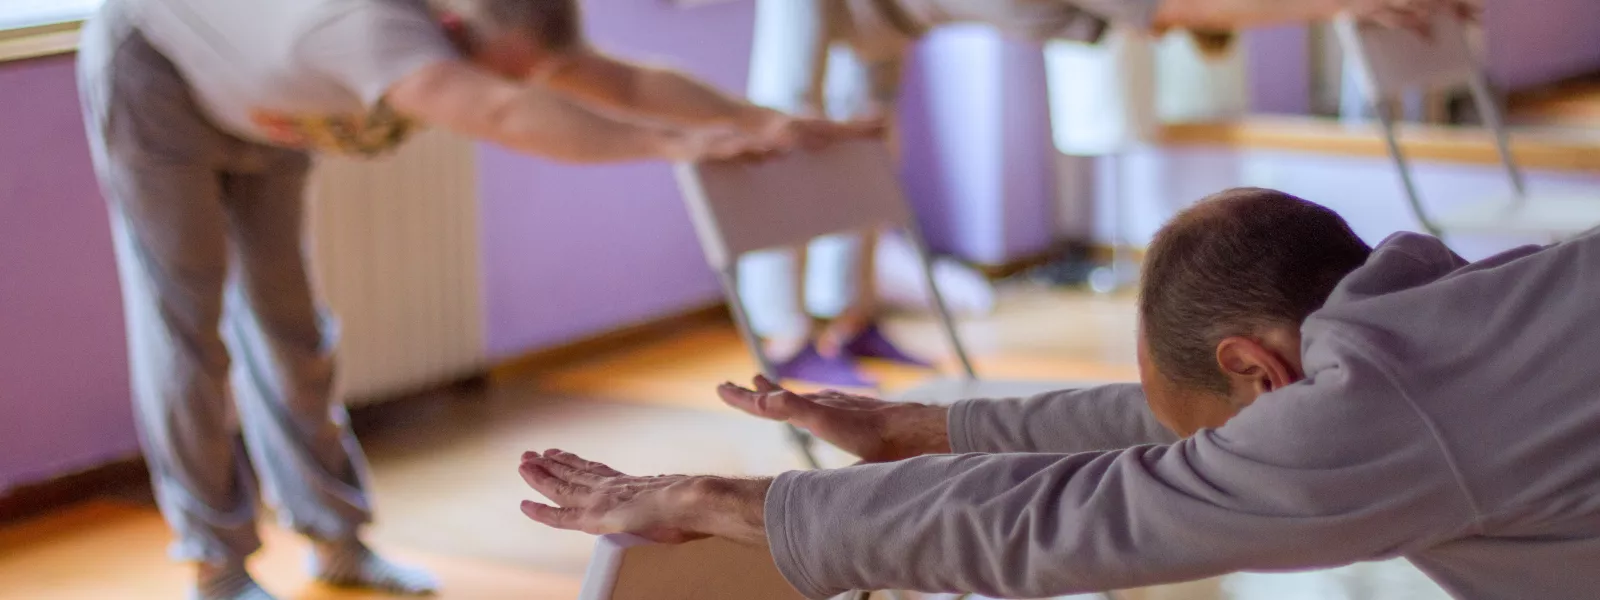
{"x":1105,"y":417}
{"x":1284,"y":486}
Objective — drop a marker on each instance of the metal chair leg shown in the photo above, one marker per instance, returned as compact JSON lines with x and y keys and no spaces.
{"x":939,"y":305}
{"x":1483,"y":96}
{"x":1392,"y":140}
{"x":729,"y":277}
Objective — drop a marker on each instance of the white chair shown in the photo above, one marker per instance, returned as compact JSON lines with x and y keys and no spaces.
{"x":742,"y":207}
{"x":629,"y":568}
{"x":1388,"y":62}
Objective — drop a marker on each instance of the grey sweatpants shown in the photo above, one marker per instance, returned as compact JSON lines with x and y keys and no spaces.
{"x":208,"y":238}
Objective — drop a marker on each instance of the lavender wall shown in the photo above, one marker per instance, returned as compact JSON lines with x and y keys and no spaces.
{"x":949,"y":171}
{"x":63,"y":374}
{"x":1028,"y":178}
{"x":571,"y":251}
{"x":1278,"y":60}
{"x":977,"y":146}
{"x":1534,"y":42}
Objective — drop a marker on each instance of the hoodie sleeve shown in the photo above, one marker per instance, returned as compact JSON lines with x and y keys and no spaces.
{"x":1108,"y":417}
{"x":1337,"y":469}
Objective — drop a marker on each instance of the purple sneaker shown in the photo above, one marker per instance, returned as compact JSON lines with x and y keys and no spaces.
{"x":812,"y":367}
{"x":872,"y":343}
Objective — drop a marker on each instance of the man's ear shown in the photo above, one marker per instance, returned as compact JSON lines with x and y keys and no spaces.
{"x":1252,"y":368}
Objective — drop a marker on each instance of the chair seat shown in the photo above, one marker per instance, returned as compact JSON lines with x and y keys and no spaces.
{"x":625,"y":567}
{"x":1560,"y":214}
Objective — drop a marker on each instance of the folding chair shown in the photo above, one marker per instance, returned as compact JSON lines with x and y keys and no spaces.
{"x":1388,"y":62}
{"x":743,"y":207}
{"x":630,"y":568}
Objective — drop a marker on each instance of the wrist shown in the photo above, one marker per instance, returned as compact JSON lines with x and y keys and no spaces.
{"x":729,"y":508}
{"x":921,"y":429}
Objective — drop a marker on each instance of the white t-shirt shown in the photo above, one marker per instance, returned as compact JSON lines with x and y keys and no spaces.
{"x":306,"y":74}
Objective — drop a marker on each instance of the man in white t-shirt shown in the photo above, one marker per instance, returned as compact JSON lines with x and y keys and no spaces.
{"x":202,"y":117}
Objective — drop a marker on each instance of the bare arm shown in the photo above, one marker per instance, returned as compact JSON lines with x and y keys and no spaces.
{"x":1238,"y":14}
{"x":656,"y":94}
{"x":1231,"y":14}
{"x":464,"y":99}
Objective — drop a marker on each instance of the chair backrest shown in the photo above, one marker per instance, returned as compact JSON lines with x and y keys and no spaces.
{"x":1389,"y":61}
{"x":629,"y":568}
{"x":742,"y":206}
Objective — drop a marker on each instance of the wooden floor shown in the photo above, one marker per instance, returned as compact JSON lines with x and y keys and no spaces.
{"x":1038,"y":335}
{"x":447,"y":492}
{"x":106,"y":550}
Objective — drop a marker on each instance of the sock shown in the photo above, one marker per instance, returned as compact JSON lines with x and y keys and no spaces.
{"x":228,"y":583}
{"x":352,"y":564}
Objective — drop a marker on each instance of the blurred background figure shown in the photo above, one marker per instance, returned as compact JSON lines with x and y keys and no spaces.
{"x":203,"y":117}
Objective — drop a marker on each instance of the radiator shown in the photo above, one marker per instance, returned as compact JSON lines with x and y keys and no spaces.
{"x":395,"y":252}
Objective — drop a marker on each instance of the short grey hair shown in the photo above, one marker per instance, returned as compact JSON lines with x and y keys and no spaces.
{"x":1234,"y":264}
{"x":554,"y":24}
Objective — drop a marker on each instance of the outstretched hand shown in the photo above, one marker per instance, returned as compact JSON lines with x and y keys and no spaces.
{"x":671,"y":509}
{"x":875,"y":430}
{"x":815,"y":134}
{"x":767,"y":135}
{"x":777,"y":132}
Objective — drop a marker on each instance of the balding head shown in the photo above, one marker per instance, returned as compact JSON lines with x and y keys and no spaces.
{"x":1239,"y":264}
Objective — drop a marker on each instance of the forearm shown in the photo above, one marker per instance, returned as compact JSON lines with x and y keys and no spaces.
{"x":655,"y":94}
{"x":464,"y":99}
{"x":547,"y":125}
{"x":1004,"y":526}
{"x":1109,"y":417}
{"x":1240,"y":14}
{"x":731,"y":508}
{"x":673,"y":97}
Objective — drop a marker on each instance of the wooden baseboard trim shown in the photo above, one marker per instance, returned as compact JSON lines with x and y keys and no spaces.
{"x":542,"y":360}
{"x":39,"y":498}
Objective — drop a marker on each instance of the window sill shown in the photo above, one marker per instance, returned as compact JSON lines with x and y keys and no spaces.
{"x":1565,"y":149}
{"x":39,"y":41}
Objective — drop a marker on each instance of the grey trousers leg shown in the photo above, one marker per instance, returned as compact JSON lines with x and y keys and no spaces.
{"x":206,"y":227}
